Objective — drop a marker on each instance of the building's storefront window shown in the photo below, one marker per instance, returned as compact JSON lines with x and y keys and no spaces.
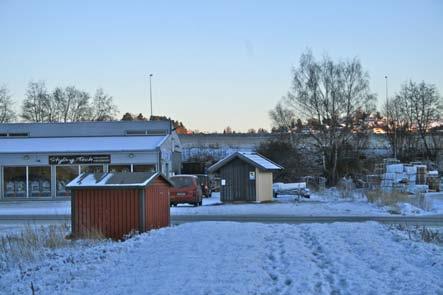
{"x":14,"y":181}
{"x":64,"y":174}
{"x":143,"y":168}
{"x":39,"y":181}
{"x":91,"y":168}
{"x":119,"y":168}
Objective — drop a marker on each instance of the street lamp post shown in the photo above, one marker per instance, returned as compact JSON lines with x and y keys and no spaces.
{"x":394,"y":124}
{"x":150,"y":92}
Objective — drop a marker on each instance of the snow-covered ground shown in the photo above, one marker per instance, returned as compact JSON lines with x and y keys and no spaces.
{"x":240,"y":258}
{"x":327,"y":204}
{"x":284,"y":205}
{"x":318,"y":204}
{"x":35,"y":208}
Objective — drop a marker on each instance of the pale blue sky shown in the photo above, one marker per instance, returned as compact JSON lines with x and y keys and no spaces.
{"x":215,"y":63}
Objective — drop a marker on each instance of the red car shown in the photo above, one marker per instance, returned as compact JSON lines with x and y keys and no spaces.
{"x":186,"y":190}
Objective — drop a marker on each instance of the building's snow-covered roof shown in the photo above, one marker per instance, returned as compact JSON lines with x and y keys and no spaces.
{"x":80,"y":144}
{"x":116,"y":180}
{"x":96,"y":128}
{"x":254,"y":159}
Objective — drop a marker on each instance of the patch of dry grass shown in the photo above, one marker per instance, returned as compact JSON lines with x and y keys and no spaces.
{"x":91,"y":234}
{"x":29,"y":243}
{"x":387,"y":198}
{"x":420,"y":233}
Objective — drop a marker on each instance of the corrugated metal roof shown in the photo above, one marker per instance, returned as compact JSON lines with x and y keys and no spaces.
{"x":254,"y":159}
{"x":117,"y":179}
{"x":96,"y":128}
{"x":80,"y":144}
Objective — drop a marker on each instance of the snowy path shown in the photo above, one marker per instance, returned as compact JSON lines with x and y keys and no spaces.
{"x":246,"y":258}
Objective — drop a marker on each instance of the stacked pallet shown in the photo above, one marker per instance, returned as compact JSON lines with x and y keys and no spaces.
{"x":433,"y":181}
{"x":421,"y":174}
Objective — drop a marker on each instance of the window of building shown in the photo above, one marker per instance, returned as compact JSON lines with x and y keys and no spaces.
{"x":14,"y":182}
{"x":119,"y":168}
{"x":39,"y":181}
{"x":64,"y":174}
{"x":91,"y":169}
{"x":17,"y":134}
{"x":143,"y":168}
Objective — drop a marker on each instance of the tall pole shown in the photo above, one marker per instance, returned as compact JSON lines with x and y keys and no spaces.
{"x":394,"y":124}
{"x":150,"y":92}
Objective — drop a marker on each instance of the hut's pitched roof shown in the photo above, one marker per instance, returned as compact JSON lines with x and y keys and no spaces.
{"x":255,"y":159}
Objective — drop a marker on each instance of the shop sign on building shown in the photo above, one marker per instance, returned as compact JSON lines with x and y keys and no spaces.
{"x":79,"y":159}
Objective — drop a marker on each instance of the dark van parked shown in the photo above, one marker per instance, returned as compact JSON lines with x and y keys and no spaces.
{"x":186,"y":190}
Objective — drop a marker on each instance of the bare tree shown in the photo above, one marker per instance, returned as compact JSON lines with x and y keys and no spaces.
{"x":81,"y":110}
{"x":412,"y":112}
{"x":103,"y":107}
{"x":72,"y":104}
{"x":36,"y":104}
{"x":330,"y":94}
{"x":7,"y":114}
{"x":283,"y":119}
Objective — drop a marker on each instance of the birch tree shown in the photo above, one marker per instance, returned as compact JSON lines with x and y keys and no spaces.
{"x":36,"y":104}
{"x":7,"y":113}
{"x":412,"y":113}
{"x":103,"y":108}
{"x":331,"y":94}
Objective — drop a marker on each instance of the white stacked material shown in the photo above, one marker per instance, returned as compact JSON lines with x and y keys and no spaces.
{"x":401,"y":177}
{"x":433,"y":173}
{"x":411,"y":173}
{"x":391,"y":177}
{"x":411,"y":169}
{"x":387,"y":180}
{"x":395,"y":168}
{"x":281,"y":187}
{"x":418,"y":188}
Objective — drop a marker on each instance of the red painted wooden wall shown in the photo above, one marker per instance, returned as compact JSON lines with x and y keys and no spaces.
{"x":115,"y":212}
{"x":157,"y":201}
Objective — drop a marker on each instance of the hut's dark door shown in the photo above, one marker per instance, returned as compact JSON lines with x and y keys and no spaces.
{"x":238,"y":187}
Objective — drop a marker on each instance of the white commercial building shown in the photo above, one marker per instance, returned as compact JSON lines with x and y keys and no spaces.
{"x":37,"y":160}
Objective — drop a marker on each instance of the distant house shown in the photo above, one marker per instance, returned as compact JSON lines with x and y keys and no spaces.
{"x":37,"y":160}
{"x":245,"y":177}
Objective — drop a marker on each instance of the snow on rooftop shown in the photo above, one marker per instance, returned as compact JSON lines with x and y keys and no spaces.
{"x":260,"y":160}
{"x":80,"y":144}
{"x":112,"y":179}
{"x":253,"y":158}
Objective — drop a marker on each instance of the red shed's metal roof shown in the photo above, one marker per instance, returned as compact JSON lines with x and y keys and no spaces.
{"x":115,"y":180}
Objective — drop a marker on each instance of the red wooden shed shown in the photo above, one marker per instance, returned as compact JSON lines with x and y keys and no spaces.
{"x":116,"y":204}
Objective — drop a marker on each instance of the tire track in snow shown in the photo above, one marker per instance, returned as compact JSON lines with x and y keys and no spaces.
{"x":276,"y":265}
{"x":329,"y":282}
